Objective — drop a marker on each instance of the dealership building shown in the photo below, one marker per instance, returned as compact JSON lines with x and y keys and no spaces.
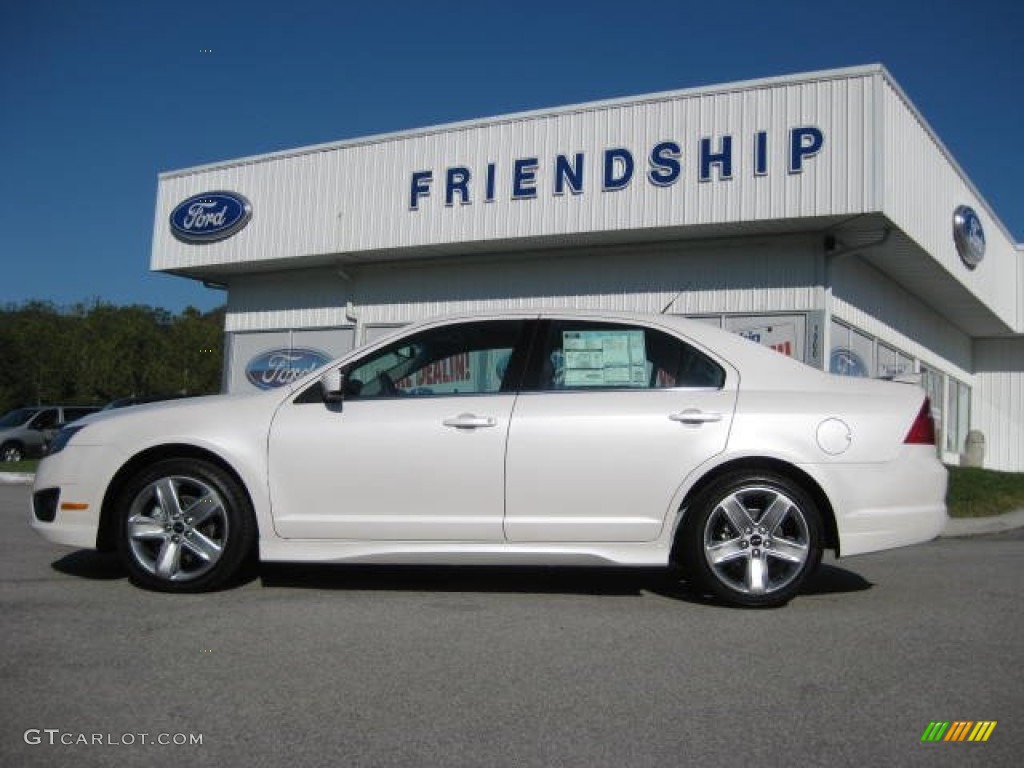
{"x":816,"y":214}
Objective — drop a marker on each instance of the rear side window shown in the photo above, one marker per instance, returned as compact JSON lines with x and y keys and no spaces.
{"x":589,"y":355}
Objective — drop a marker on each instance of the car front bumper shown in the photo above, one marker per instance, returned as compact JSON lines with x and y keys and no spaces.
{"x":73,"y":517}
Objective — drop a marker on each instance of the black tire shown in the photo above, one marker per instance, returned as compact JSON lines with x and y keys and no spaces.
{"x":185,"y":525}
{"x":12,"y":452}
{"x":751,"y":539}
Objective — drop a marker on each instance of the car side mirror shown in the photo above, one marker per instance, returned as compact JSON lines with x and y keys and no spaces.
{"x":332,"y":384}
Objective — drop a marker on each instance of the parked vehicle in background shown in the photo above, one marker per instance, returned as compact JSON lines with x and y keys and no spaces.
{"x":553,"y":438}
{"x":26,"y":432}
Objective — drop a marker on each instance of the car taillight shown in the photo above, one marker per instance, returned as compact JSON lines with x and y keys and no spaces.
{"x":922,"y":431}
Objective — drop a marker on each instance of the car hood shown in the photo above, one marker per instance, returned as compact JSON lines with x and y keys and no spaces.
{"x":196,"y":420}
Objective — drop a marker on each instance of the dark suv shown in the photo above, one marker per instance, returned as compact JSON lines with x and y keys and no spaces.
{"x":26,"y":432}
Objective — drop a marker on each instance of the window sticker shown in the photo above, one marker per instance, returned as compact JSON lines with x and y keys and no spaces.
{"x":604,"y":358}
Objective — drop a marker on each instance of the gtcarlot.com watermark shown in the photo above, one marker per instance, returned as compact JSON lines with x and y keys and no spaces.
{"x":55,"y":736}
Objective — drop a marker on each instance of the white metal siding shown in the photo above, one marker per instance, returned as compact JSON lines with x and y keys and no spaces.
{"x":997,"y":402}
{"x":923,"y":186}
{"x":353,"y":198}
{"x":867,"y":299}
{"x":744,"y":277}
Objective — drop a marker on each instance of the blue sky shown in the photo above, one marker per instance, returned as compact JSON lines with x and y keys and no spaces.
{"x":97,"y":97}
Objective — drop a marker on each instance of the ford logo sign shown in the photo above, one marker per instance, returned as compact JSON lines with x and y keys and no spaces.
{"x":968,"y":236}
{"x":210,"y":216}
{"x":846,"y":362}
{"x":279,"y":367}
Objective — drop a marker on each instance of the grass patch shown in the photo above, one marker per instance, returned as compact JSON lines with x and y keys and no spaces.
{"x":29,"y":465}
{"x":982,"y":492}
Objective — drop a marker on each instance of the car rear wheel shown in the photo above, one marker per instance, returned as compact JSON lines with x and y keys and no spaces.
{"x":185,"y":526}
{"x":752,"y":539}
{"x":11,"y":452}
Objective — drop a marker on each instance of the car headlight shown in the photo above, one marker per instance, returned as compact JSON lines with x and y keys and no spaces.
{"x":62,"y":437}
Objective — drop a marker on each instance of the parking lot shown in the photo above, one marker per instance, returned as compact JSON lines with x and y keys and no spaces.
{"x":349,"y":666}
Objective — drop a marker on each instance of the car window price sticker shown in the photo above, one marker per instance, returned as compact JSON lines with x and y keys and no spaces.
{"x":604,"y":358}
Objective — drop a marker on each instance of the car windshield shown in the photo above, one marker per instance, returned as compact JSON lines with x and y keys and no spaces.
{"x":17,"y":417}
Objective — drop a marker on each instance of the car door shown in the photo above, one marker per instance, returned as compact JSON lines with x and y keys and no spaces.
{"x":611,"y":419}
{"x":416,"y":451}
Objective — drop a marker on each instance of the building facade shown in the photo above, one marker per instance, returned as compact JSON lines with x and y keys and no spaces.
{"x":816,"y":214}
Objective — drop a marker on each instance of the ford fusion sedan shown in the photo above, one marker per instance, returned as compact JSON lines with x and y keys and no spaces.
{"x":553,"y":438}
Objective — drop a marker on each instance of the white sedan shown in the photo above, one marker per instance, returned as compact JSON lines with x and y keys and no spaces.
{"x":515,"y":438}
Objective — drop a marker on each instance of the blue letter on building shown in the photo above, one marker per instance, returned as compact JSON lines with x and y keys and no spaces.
{"x":524,"y":178}
{"x":618,"y":169}
{"x":420,"y":188}
{"x":723,"y":159}
{"x":457,"y":180}
{"x":489,"y":197}
{"x":665,"y":168}
{"x":803,"y":142}
{"x":570,"y":174}
{"x":761,"y":153}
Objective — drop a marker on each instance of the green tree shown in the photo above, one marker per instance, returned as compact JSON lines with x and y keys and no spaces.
{"x":95,"y":352}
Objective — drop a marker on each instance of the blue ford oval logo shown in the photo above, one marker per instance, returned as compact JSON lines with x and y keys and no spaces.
{"x":210,"y":216}
{"x":278,"y":367}
{"x":969,"y":236}
{"x":846,"y":362}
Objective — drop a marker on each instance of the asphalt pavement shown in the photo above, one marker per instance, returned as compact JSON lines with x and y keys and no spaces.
{"x":420,"y":667}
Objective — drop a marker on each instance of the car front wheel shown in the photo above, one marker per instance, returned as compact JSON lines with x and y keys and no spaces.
{"x":185,"y":526}
{"x":751,"y":539}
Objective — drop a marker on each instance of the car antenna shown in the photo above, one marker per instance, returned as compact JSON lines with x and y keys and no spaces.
{"x":673,"y":301}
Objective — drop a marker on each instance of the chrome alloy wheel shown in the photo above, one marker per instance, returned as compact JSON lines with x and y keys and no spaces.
{"x":177,"y":528}
{"x":757,"y":540}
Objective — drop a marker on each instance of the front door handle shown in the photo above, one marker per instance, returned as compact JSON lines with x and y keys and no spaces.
{"x":695,"y":417}
{"x":470,"y":421}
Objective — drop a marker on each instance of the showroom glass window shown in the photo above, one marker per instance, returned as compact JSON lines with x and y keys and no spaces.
{"x":891,"y":363}
{"x":594,"y":356}
{"x":958,"y":414}
{"x":464,"y":359}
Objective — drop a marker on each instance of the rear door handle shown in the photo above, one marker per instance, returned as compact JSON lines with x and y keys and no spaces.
{"x":470,"y":421}
{"x":694,"y":416}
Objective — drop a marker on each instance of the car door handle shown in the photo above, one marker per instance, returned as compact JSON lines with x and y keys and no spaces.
{"x":470,"y":421}
{"x":694,"y":416}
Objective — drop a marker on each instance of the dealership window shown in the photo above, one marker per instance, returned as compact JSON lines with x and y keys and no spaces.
{"x":373,"y":332}
{"x":891,"y":363}
{"x":271,"y":359}
{"x":958,"y":414}
{"x":932,"y":381}
{"x":852,"y":351}
{"x":782,"y":333}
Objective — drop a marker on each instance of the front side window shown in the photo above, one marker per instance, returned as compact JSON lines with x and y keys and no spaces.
{"x":468,"y":359}
{"x":592,"y":355}
{"x":45,"y":420}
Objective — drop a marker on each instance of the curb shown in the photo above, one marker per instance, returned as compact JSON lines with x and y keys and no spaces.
{"x":959,"y":527}
{"x":956,"y":527}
